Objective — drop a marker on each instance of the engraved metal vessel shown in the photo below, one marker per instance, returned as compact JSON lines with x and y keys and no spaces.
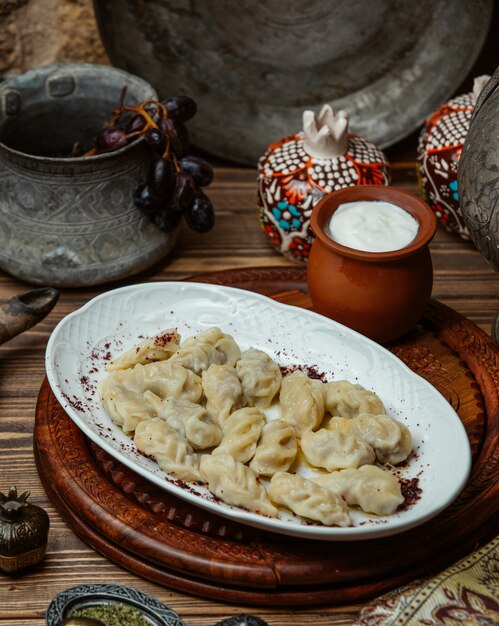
{"x":478,"y":182}
{"x":70,"y":221}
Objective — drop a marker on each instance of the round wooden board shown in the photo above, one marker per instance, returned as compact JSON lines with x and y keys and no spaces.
{"x":166,"y":540}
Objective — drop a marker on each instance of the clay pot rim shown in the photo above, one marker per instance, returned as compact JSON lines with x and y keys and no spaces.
{"x":324,"y":209}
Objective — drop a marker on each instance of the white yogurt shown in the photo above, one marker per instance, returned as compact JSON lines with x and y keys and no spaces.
{"x":372,"y":226}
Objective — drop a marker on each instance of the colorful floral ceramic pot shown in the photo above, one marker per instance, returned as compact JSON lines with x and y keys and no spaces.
{"x":439,"y":148}
{"x":298,"y":170}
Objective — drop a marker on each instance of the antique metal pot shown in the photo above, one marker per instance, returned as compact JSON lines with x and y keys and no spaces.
{"x":478,"y":174}
{"x":70,"y":221}
{"x":478,"y":181}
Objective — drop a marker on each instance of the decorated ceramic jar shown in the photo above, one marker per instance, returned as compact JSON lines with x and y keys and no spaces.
{"x":297,"y":171}
{"x":439,"y":148}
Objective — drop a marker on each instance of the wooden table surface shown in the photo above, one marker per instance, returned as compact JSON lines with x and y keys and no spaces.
{"x":463,"y":280}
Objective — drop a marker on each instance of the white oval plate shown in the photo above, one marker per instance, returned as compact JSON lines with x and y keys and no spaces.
{"x":86,"y":340}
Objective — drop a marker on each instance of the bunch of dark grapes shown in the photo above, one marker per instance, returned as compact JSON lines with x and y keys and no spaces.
{"x":175,"y":180}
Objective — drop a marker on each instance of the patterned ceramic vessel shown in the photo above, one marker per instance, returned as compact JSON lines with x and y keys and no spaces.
{"x":71,"y":221}
{"x":296,"y":172}
{"x":439,"y":149}
{"x":478,"y":175}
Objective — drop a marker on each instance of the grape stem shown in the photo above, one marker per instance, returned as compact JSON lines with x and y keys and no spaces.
{"x":175,"y":162}
{"x":122,"y":96}
{"x":148,"y":110}
{"x":150,"y":123}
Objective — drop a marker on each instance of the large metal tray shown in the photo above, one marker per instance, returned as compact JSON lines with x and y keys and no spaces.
{"x":253,"y":67}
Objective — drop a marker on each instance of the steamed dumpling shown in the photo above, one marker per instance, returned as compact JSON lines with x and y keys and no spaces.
{"x":241,"y":432}
{"x":171,"y":451}
{"x":205,"y":395}
{"x":391,"y":440}
{"x":122,"y":392}
{"x":223,"y":391}
{"x":302,"y":402}
{"x":260,"y":377}
{"x":276,"y":449}
{"x":126,"y":407}
{"x":371,"y":488}
{"x":190,"y":420}
{"x":156,"y":348}
{"x":235,"y":483}
{"x":333,"y":450}
{"x":345,"y":399}
{"x":164,"y":378}
{"x":211,"y":346}
{"x":303,"y":497}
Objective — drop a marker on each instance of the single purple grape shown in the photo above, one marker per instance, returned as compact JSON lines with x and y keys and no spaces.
{"x":166,"y":218}
{"x":145,"y":201}
{"x":183,"y":193}
{"x":136,"y":124}
{"x":161,"y":178}
{"x":198,"y":168}
{"x":110,"y":139}
{"x":176,"y":133}
{"x":200,"y":216}
{"x":156,"y":139}
{"x":180,"y":107}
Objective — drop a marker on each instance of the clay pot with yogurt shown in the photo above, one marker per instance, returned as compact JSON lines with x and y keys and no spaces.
{"x":382,"y":290}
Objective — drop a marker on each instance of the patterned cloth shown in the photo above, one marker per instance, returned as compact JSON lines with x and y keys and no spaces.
{"x":465,"y":594}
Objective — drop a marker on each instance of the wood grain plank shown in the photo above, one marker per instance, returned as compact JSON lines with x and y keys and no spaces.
{"x":462,"y":279}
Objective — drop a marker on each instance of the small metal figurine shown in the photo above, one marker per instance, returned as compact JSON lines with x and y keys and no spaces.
{"x":24,"y":529}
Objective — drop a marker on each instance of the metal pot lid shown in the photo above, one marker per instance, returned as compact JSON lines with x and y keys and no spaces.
{"x":254,"y":67}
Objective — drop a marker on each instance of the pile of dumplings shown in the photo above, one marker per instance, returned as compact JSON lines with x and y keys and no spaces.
{"x":198,"y":410}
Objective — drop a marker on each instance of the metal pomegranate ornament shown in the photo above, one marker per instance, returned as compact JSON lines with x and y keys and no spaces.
{"x":24,"y":531}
